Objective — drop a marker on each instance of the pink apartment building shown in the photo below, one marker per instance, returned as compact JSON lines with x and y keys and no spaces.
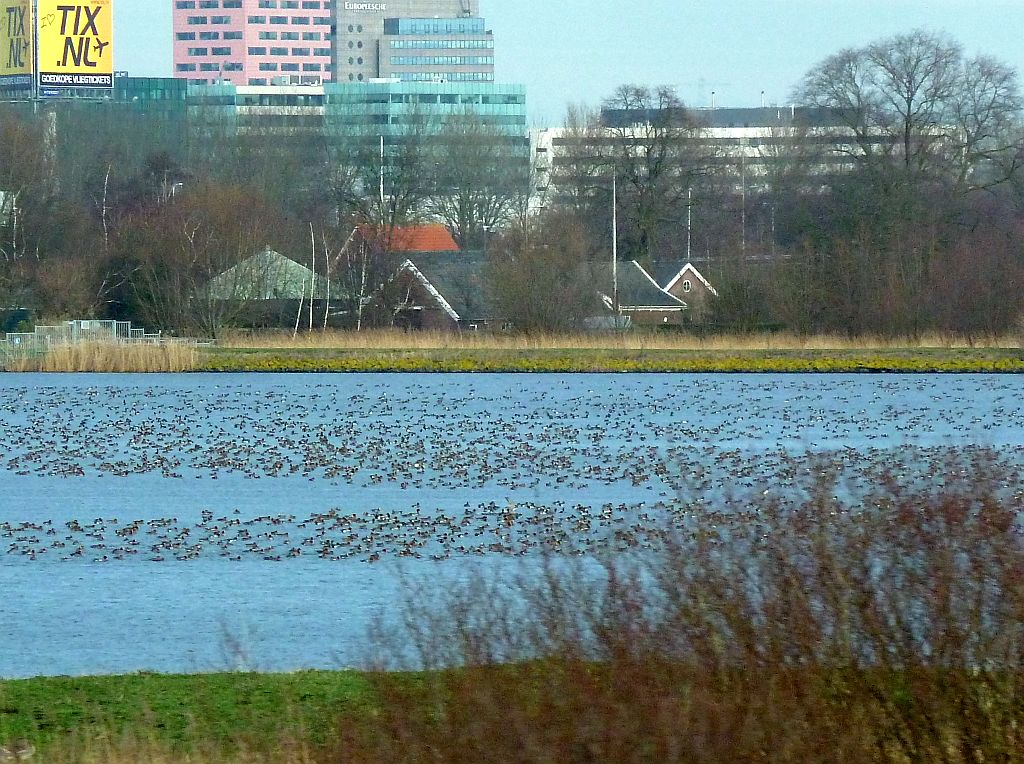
{"x":253,"y":42}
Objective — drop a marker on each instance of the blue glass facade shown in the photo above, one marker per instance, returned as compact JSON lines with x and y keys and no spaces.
{"x":387,"y":108}
{"x":408,"y":27}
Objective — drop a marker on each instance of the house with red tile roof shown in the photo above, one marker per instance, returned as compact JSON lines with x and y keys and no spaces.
{"x":426,"y":237}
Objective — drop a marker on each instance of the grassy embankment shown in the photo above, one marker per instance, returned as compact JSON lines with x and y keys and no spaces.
{"x":148,"y":717}
{"x":633,"y":352}
{"x":386,"y":351}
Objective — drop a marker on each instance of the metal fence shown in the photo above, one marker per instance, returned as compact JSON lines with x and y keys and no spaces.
{"x":21,"y":345}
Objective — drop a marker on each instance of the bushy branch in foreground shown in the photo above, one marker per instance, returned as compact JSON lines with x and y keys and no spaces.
{"x":887,"y":626}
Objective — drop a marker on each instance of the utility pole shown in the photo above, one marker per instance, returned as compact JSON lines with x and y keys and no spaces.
{"x":615,"y":249}
{"x":382,"y":181}
{"x":743,"y":194}
{"x":689,"y":223}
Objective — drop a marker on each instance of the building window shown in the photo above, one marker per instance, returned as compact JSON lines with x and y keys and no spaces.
{"x":268,"y":35}
{"x":265,"y":67}
{"x":221,"y":51}
{"x":185,"y":36}
{"x":209,"y":35}
{"x":289,"y":67}
{"x":197,"y":20}
{"x":279,"y":51}
{"x":209,"y":3}
{"x":209,"y":67}
{"x":300,"y":51}
{"x":232,"y":35}
{"x":198,"y":51}
{"x":687,"y":286}
{"x":257,"y":19}
{"x":220,"y":19}
{"x":278,"y":19}
{"x":185,"y":4}
{"x":257,"y":51}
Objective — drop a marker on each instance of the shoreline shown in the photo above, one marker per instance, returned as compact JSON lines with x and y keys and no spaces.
{"x":915,"y":361}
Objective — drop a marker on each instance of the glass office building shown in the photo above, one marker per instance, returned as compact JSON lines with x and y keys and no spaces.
{"x":413,"y":41}
{"x":387,"y":107}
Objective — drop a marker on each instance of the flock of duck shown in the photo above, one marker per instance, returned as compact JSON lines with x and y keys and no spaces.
{"x":583,"y":464}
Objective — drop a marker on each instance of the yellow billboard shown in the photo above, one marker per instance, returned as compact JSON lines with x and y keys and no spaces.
{"x":16,"y":54}
{"x":76,"y":44}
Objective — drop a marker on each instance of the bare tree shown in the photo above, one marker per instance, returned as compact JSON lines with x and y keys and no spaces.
{"x":176,"y":250}
{"x":482,"y":174}
{"x":578,"y":169}
{"x":383,"y":178}
{"x":914,"y":101}
{"x":539,"y":283}
{"x":658,"y":150}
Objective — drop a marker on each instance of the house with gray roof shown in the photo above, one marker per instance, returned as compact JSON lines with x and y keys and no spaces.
{"x":447,"y":291}
{"x":641,"y":299}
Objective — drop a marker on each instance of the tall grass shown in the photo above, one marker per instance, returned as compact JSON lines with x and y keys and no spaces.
{"x":111,"y":357}
{"x":887,"y":629}
{"x":380,"y":340}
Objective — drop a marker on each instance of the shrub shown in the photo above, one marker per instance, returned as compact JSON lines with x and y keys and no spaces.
{"x":883,"y":627}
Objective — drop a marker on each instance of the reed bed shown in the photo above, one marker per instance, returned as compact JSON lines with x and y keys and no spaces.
{"x":111,"y":357}
{"x":385,"y":340}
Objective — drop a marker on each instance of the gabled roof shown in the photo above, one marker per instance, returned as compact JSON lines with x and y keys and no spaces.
{"x":690,"y":271}
{"x":267,"y":275}
{"x":456,"y":281}
{"x":637,"y":290}
{"x":429,"y":237}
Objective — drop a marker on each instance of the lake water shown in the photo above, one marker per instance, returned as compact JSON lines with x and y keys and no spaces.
{"x":204,"y":522}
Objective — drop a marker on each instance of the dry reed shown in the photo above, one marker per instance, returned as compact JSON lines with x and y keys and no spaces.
{"x":111,"y":357}
{"x":383,"y":340}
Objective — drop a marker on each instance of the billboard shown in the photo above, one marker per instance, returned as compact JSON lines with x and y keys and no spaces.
{"x":17,"y":57}
{"x":75,"y":43}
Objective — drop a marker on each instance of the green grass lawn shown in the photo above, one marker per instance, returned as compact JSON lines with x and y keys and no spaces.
{"x":224,"y":712}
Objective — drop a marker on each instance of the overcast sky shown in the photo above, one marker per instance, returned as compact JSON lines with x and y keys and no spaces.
{"x":580,"y":50}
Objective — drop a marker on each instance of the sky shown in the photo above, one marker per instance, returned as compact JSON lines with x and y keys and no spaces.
{"x":579,"y":51}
